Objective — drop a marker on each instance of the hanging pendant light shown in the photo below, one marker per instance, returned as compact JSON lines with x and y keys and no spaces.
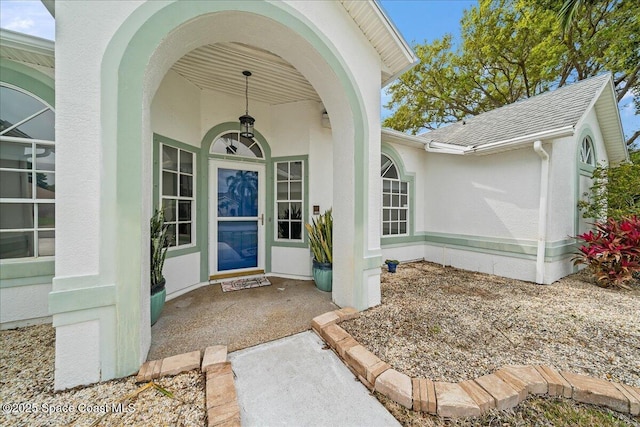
{"x":246,"y":121}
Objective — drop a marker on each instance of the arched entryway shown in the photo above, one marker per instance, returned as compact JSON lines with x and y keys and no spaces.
{"x":138,"y":58}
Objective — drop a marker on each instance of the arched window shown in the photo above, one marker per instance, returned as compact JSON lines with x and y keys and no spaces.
{"x":232,"y":144}
{"x":587,"y":153}
{"x":27,"y":175}
{"x":395,"y":200}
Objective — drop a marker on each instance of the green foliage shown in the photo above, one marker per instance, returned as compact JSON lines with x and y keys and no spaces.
{"x":391,"y":261}
{"x":612,"y":252}
{"x":159,"y":246}
{"x":515,"y":49}
{"x":321,"y":237}
{"x":615,"y":192}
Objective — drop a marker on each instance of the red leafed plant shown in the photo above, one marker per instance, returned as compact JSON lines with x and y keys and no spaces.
{"x":612,"y":252}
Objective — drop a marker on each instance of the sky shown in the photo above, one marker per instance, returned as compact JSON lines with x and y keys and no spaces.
{"x":419,"y":21}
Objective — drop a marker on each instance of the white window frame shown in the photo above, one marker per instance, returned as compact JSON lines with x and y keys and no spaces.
{"x":399,"y":208}
{"x":289,"y":200}
{"x":34,"y":201}
{"x":178,"y":198}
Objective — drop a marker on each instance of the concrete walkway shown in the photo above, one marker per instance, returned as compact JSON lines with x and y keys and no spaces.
{"x":295,"y":382}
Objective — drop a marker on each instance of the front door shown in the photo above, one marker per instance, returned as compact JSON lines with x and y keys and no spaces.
{"x":236,"y":223}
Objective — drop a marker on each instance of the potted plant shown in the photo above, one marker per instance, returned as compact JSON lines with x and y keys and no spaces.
{"x":321,"y":244}
{"x":159,"y":246}
{"x":392,"y":264}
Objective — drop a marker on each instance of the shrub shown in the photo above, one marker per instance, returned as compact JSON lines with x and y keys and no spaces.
{"x":615,"y":192}
{"x":612,"y":252}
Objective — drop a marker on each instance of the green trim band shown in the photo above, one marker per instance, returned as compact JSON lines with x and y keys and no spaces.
{"x":26,"y":281}
{"x":372,"y":262}
{"x":81,"y":299}
{"x":30,"y":268}
{"x":29,"y":79}
{"x":498,"y":246}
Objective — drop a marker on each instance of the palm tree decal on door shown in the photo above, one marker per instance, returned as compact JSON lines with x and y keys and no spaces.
{"x":243,"y":187}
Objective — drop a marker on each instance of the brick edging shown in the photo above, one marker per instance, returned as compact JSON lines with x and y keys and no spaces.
{"x":221,"y":398}
{"x":505,"y":388}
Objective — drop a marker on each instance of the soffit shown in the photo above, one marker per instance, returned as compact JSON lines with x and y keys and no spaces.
{"x":28,"y":49}
{"x":219,"y":67}
{"x":395,"y":53}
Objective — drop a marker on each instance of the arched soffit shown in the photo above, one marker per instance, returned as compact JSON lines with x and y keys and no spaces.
{"x":216,"y":131}
{"x":153,"y":38}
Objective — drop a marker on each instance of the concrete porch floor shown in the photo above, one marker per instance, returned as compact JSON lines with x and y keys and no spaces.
{"x":239,"y":319}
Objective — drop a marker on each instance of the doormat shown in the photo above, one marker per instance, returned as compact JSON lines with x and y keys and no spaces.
{"x":238,"y":284}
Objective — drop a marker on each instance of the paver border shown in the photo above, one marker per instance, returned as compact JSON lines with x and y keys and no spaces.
{"x":221,"y":398}
{"x":505,"y":388}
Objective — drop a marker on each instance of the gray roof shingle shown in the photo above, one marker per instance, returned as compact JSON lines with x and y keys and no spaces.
{"x":545,"y":112}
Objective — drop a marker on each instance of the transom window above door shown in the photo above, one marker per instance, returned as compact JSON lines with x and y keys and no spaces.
{"x":232,"y":144}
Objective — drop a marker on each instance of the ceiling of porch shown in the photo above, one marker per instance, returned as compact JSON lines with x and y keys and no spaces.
{"x":219,"y":67}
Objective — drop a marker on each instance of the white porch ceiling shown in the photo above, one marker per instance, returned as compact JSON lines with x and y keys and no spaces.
{"x":219,"y":67}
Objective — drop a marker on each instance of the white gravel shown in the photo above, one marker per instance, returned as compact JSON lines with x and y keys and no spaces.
{"x":451,"y":325}
{"x":28,"y":399}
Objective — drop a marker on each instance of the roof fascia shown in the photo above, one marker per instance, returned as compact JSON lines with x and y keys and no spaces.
{"x":50,"y":5}
{"x":612,"y":91}
{"x":391,"y":78}
{"x":517,"y":142}
{"x":27,"y":43}
{"x":496,"y":147}
{"x":395,"y":137}
{"x":393,"y":30}
{"x":444,"y":148}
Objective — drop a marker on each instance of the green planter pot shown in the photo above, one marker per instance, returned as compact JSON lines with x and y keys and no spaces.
{"x":323,"y":276}
{"x":157,"y":304}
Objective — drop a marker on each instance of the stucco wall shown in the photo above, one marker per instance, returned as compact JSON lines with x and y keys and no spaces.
{"x":494,"y":195}
{"x":24,"y":305}
{"x":175,"y":110}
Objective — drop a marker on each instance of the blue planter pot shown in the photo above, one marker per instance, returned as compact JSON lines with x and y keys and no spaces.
{"x":392,"y":267}
{"x":323,"y":276}
{"x":157,"y":304}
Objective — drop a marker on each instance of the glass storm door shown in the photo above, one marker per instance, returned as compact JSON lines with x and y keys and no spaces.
{"x":237,"y":217}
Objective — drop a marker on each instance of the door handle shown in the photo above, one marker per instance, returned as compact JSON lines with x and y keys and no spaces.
{"x":261,"y":219}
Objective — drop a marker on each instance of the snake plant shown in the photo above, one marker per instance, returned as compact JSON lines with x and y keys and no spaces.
{"x":321,"y":237}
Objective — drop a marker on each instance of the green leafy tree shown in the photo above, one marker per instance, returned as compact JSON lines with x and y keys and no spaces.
{"x":515,"y":49}
{"x":615,"y":192}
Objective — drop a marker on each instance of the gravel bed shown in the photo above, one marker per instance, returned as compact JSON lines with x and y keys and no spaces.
{"x":27,"y":395}
{"x":451,"y":325}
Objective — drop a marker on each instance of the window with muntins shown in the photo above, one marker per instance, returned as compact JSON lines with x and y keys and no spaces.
{"x":587,"y":153}
{"x":395,"y":200}
{"x":232,"y":144}
{"x":27,"y":175}
{"x":289,"y":199}
{"x":177,"y":194}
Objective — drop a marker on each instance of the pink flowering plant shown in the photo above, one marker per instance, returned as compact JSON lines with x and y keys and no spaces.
{"x":612,"y":251}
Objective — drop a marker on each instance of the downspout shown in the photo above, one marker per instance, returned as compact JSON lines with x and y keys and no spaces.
{"x":542,"y":210}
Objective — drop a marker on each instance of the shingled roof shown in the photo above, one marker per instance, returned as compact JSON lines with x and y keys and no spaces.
{"x":558,"y":109}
